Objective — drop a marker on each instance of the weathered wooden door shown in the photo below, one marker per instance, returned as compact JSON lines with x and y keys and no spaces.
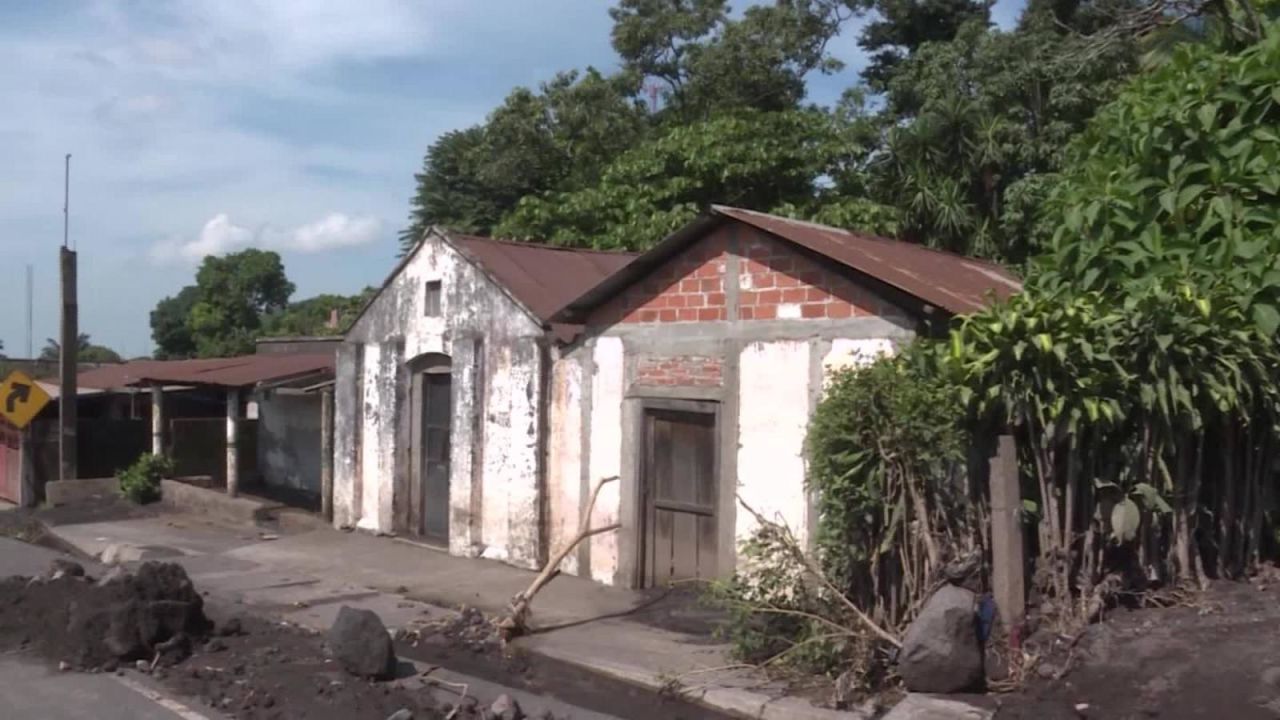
{"x":10,"y":464}
{"x":434,"y":463}
{"x":679,"y":496}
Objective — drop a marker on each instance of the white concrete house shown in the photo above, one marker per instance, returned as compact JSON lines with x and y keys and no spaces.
{"x":441,"y":394}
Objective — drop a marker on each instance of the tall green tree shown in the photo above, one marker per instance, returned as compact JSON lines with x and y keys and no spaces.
{"x":171,"y":325}
{"x":559,"y":137}
{"x":233,"y":293}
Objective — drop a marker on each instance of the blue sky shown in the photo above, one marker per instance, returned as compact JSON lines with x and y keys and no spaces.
{"x":210,"y":125}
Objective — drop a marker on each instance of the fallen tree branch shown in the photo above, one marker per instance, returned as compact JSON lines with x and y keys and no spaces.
{"x":516,"y":623}
{"x":794,"y":547}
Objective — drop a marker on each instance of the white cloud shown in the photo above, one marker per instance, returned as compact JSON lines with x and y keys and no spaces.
{"x":220,"y":236}
{"x":335,"y":230}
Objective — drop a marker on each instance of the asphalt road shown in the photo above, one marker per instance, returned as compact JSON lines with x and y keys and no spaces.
{"x":34,"y":691}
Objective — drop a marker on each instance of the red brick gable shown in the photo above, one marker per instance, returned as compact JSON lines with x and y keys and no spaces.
{"x":777,"y":281}
{"x":774,"y":281}
{"x":689,"y":288}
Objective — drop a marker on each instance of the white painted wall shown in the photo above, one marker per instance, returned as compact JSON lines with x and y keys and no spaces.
{"x":289,"y":441}
{"x":847,"y":353}
{"x":606,"y":453}
{"x":564,"y":462}
{"x":773,"y":417}
{"x":472,"y":305}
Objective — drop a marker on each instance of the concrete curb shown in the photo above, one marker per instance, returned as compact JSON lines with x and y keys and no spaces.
{"x":182,"y":497}
{"x":740,"y":702}
{"x":65,"y":492}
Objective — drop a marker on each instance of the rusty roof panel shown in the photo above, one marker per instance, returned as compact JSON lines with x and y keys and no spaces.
{"x":953,"y":282}
{"x":544,"y":278}
{"x":242,"y":371}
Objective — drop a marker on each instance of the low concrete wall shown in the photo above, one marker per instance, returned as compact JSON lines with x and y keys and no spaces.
{"x":65,"y":492}
{"x":214,"y":503}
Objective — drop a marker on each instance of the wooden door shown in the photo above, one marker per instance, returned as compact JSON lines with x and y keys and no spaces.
{"x":679,"y":493}
{"x":434,"y":463}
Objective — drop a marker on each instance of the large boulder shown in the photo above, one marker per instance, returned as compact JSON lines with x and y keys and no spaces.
{"x":361,"y":644}
{"x":941,"y":652}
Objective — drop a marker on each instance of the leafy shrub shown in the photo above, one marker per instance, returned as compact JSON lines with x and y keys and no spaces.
{"x":141,"y":481}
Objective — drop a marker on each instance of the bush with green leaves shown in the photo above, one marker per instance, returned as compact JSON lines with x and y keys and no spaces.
{"x":1139,"y":368}
{"x":140,"y":482}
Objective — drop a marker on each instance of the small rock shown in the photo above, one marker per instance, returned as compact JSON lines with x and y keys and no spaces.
{"x":64,"y":666}
{"x":268,"y":536}
{"x":113,"y":576}
{"x":214,"y":645}
{"x":1047,"y":670}
{"x":120,"y":553}
{"x":231,"y":627}
{"x":1082,"y":708}
{"x":62,"y":567}
{"x":401,"y":589}
{"x":506,"y":708}
{"x":401,"y":714}
{"x":142,"y":666}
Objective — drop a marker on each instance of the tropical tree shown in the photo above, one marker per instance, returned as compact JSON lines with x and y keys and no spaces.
{"x":86,"y":351}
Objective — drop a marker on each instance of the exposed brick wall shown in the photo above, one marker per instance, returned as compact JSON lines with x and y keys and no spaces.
{"x":685,"y":370}
{"x":689,"y":288}
{"x":776,"y":281}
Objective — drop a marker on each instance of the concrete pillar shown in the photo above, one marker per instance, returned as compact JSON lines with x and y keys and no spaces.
{"x":1007,"y":562}
{"x":233,"y":429}
{"x":326,"y":453}
{"x":157,"y":420}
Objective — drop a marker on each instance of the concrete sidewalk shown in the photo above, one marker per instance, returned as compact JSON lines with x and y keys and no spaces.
{"x":306,"y":577}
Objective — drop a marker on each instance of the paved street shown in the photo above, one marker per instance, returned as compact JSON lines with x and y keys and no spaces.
{"x":37,"y":692}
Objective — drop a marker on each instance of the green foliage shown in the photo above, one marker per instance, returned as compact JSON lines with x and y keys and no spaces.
{"x":234,"y":292}
{"x":140,"y":482}
{"x":559,"y":137}
{"x":901,"y":27}
{"x":171,"y":326}
{"x":311,"y":317}
{"x":778,"y":617}
{"x":751,"y":159}
{"x":886,"y":451}
{"x":86,"y":351}
{"x":1140,"y":365}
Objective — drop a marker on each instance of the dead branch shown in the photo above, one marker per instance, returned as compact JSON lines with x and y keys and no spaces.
{"x":793,"y":545}
{"x":516,"y":623}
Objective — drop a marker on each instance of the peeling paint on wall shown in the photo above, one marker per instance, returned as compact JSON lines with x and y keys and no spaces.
{"x":606,"y":453}
{"x":564,"y":465}
{"x":472,"y":307}
{"x":289,"y":441}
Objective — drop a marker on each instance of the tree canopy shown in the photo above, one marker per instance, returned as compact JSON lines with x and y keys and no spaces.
{"x":238,"y":298}
{"x":952,"y":137}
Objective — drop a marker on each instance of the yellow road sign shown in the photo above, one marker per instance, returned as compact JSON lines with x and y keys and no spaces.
{"x":21,"y":398}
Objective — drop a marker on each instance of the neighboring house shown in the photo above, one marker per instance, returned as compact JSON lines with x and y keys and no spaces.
{"x":441,"y":394}
{"x":700,"y":366}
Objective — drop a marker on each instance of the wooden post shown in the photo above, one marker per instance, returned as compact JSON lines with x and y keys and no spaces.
{"x":157,"y":420}
{"x":1007,"y":562}
{"x":233,"y":430}
{"x":326,"y":453}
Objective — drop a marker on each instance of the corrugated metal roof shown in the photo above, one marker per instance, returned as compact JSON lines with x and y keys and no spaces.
{"x":242,"y":371}
{"x":952,"y":282}
{"x":543,"y":277}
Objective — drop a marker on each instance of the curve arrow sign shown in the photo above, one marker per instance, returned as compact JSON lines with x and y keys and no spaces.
{"x":18,"y":393}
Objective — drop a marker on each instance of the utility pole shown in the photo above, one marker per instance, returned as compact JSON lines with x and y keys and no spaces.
{"x":70,"y":342}
{"x":30,"y":300}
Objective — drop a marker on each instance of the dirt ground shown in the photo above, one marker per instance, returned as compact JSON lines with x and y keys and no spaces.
{"x":252,"y":667}
{"x":1213,"y":655}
